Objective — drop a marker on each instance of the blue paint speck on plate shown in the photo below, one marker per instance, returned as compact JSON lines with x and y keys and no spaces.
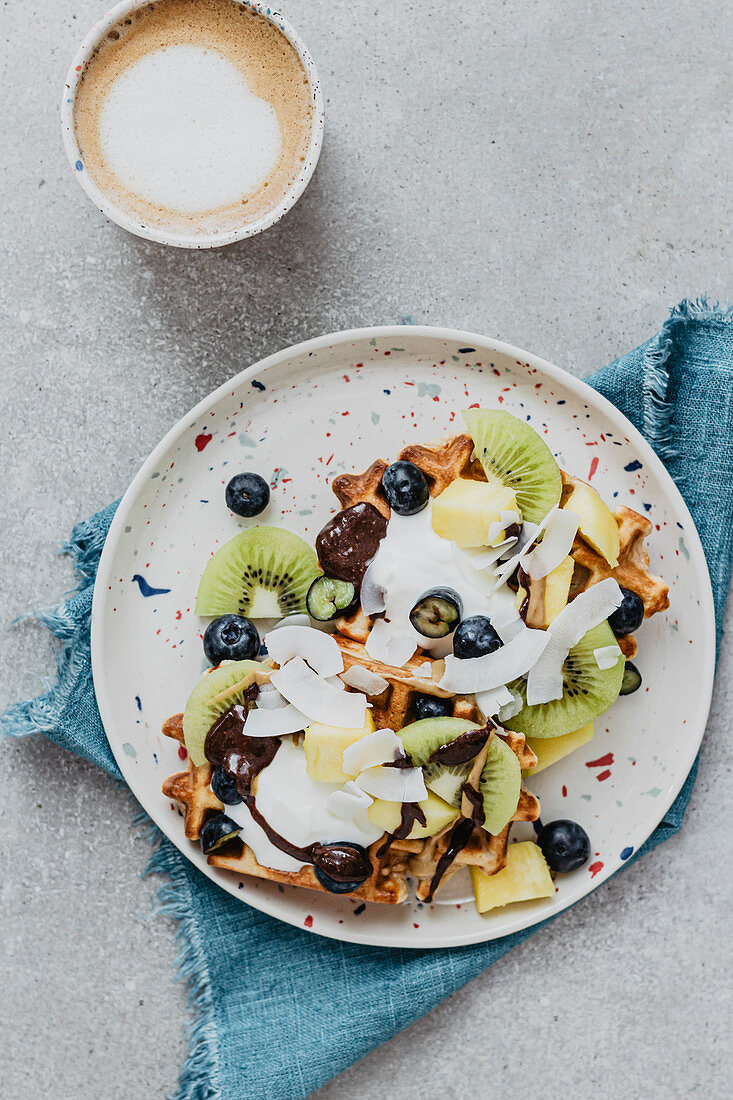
{"x":147,"y":589}
{"x":139,"y":703}
{"x":259,"y":385}
{"x":626,"y":853}
{"x":79,"y":166}
{"x":631,"y":466}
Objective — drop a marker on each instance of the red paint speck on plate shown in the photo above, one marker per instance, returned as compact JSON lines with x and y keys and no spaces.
{"x":593,"y":466}
{"x":416,"y":926}
{"x":201,"y":441}
{"x":182,"y":752}
{"x":601,"y":762}
{"x":564,"y":791}
{"x":308,"y":922}
{"x":603,"y":775}
{"x":595,"y":868}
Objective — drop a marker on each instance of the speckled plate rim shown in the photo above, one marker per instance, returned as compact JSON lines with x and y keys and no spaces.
{"x":705,"y":640}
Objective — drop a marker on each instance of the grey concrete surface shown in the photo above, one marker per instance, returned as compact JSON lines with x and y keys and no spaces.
{"x":557,"y":175}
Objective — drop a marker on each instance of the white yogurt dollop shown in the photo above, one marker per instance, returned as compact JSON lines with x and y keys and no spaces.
{"x":295,"y":806}
{"x":411,"y":559}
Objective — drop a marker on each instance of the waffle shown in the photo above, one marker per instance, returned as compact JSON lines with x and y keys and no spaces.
{"x":191,"y":789}
{"x":444,"y":462}
{"x":393,"y":710}
{"x":632,"y":571}
{"x":441,"y":463}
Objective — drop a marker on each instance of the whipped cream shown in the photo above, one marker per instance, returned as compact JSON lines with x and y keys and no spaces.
{"x":296,"y":807}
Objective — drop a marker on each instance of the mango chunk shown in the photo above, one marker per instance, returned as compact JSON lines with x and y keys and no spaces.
{"x":549,"y":750}
{"x":465,"y":511}
{"x":526,"y":876}
{"x":324,"y":749}
{"x":597,"y":524}
{"x":438,"y":815}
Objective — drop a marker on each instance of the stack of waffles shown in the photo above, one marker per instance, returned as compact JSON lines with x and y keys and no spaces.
{"x":441,"y":464}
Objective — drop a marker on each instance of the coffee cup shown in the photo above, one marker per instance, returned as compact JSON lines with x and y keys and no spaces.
{"x":194,"y":123}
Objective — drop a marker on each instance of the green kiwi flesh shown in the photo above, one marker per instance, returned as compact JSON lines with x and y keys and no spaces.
{"x":500,"y":785}
{"x":588,"y":691}
{"x":263,"y":572}
{"x":215,"y":693}
{"x":514,"y":455}
{"x":421,"y":739}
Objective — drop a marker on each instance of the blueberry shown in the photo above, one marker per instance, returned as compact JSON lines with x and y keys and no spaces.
{"x":632,"y":679}
{"x":430,"y":706}
{"x":247,"y":494}
{"x":475,"y":637}
{"x":437,"y":612}
{"x":224,"y":786}
{"x":217,"y":830}
{"x":628,"y":617}
{"x":231,"y":638}
{"x":405,"y":488}
{"x":565,"y":845}
{"x":341,"y":867}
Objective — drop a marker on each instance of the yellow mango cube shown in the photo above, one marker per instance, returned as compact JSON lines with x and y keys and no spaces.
{"x":597,"y":523}
{"x":465,"y":511}
{"x":438,"y":815}
{"x":549,"y":750}
{"x":324,"y":749}
{"x":525,"y":877}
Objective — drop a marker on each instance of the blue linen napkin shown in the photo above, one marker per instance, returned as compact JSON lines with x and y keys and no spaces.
{"x":254,"y":979}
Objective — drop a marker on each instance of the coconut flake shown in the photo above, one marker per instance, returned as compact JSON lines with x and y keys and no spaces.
{"x":320,"y":701}
{"x":269,"y":698}
{"x":507,"y":518}
{"x":491,"y":702}
{"x":363,"y":679}
{"x":555,"y":546}
{"x":394,"y":784}
{"x":378,"y":747}
{"x":526,"y":539}
{"x":482,"y":557}
{"x":587,"y":610}
{"x":494,"y":669}
{"x":510,"y":709}
{"x":371,"y":595}
{"x":391,"y":646}
{"x":350,"y":804}
{"x":262,"y":722}
{"x":319,"y":649}
{"x":606,"y":656}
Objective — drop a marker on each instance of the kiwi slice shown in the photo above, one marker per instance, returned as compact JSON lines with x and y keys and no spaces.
{"x":215,"y":693}
{"x":422,"y":738}
{"x":588,"y":691}
{"x":500,"y":785}
{"x":263,"y":572}
{"x":514,"y":455}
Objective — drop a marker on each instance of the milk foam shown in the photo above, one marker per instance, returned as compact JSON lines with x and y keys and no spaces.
{"x":182,"y":128}
{"x":194,"y":116}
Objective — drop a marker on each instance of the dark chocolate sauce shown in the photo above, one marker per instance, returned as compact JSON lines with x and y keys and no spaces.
{"x":525,"y":581}
{"x":477,"y":803}
{"x":404,"y":760}
{"x":512,"y":531}
{"x":228,"y":746}
{"x":459,"y":837}
{"x":462,"y":748}
{"x":411,"y":813}
{"x":349,"y":541}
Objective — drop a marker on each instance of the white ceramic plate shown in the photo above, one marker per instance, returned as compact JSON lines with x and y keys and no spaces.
{"x":336,"y":404}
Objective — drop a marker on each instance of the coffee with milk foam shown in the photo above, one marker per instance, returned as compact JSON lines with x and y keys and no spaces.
{"x":194,"y":116}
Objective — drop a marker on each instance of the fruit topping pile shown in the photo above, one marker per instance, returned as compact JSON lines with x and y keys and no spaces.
{"x":450,"y":605}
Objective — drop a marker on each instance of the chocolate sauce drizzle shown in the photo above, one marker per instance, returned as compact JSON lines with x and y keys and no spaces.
{"x":411,"y":813}
{"x":459,"y":837}
{"x":228,"y":746}
{"x":462,"y":748}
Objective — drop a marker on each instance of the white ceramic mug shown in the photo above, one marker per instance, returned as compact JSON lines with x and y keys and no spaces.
{"x":163,"y":236}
